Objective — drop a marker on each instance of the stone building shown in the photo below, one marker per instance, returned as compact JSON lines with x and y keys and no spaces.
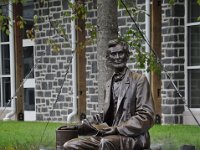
{"x":43,"y":97}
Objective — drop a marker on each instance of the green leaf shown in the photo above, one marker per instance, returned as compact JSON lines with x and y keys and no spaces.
{"x":198,"y":2}
{"x":171,"y":2}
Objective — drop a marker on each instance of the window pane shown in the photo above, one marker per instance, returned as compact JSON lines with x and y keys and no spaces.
{"x":193,"y":11}
{"x":6,"y":91}
{"x":193,"y":45}
{"x":4,"y":12}
{"x":28,"y":13}
{"x":4,"y":37}
{"x":5,"y":59}
{"x":28,"y":61}
{"x":194,"y":88}
{"x":29,"y":99}
{"x":4,"y":9}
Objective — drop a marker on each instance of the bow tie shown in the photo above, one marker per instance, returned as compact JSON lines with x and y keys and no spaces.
{"x":119,"y":75}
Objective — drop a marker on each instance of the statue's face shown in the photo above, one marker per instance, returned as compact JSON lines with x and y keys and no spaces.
{"x":117,"y":57}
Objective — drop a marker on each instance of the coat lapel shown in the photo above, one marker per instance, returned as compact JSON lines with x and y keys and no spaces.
{"x":123,"y":88}
{"x":108,"y":96}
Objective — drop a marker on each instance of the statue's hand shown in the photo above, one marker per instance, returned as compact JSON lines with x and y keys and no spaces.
{"x":109,"y":131}
{"x":98,"y":118}
{"x":86,"y":128}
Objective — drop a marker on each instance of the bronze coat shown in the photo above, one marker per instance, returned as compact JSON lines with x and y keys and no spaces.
{"x":135,"y":108}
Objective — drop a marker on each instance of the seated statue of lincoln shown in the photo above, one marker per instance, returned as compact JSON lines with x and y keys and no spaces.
{"x":128,"y":109}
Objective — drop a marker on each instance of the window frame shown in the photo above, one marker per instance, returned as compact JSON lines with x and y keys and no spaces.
{"x":2,"y":76}
{"x":187,"y":67}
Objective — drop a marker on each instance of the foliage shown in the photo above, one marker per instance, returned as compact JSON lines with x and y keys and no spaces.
{"x":21,"y":22}
{"x":198,"y":2}
{"x":55,"y":46}
{"x":4,"y":23}
{"x":171,"y":2}
{"x":4,"y":20}
{"x":79,"y":11}
{"x":135,"y":40}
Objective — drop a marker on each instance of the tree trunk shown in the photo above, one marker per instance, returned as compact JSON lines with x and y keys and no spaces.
{"x":107,"y":28}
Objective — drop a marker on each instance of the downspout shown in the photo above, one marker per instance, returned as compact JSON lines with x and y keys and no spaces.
{"x":74,"y":84}
{"x":12,"y":64}
{"x":148,"y":26}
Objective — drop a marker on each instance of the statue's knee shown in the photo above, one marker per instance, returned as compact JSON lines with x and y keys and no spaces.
{"x":69,"y":145}
{"x":106,"y":143}
{"x":66,"y":145}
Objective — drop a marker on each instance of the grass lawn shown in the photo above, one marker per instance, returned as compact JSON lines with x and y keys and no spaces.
{"x":172,"y":137}
{"x":27,"y":135}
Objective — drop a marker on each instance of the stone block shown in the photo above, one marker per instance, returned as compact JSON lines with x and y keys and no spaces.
{"x":94,"y":67}
{"x":39,"y":117}
{"x":187,"y":147}
{"x":170,"y":119}
{"x":166,"y":109}
{"x":178,"y":11}
{"x":171,"y":53}
{"x":178,"y":109}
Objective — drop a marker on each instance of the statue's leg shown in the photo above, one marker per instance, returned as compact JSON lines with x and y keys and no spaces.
{"x":108,"y":144}
{"x":118,"y":142}
{"x":85,"y":143}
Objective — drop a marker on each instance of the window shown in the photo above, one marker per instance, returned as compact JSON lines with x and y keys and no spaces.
{"x":28,"y":61}
{"x":5,"y":59}
{"x":28,"y":14}
{"x":5,"y":77}
{"x":7,"y":74}
{"x":29,"y":99}
{"x":192,"y":54}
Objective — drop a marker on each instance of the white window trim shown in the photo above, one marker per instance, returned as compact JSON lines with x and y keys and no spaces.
{"x":4,"y":43}
{"x":187,"y":116}
{"x":28,"y":42}
{"x":6,"y":75}
{"x":186,"y":53}
{"x":30,"y":83}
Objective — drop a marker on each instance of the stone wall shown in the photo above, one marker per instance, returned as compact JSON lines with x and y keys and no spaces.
{"x":91,"y":63}
{"x":52,"y":65}
{"x":173,"y":61}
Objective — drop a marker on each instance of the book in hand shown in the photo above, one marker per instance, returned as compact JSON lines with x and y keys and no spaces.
{"x":100,"y":126}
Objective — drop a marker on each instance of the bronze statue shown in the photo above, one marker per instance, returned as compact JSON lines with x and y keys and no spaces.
{"x":128,"y":109}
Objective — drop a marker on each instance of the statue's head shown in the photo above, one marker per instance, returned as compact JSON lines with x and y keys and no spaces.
{"x":117,"y":54}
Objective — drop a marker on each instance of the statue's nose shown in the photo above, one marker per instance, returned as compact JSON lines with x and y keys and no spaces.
{"x":117,"y":55}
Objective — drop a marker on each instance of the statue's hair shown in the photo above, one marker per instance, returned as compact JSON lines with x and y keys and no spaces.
{"x":114,"y":42}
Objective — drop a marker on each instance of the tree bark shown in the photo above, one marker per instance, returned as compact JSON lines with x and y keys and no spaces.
{"x":156,"y":43}
{"x":107,"y":29}
{"x":17,"y":11}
